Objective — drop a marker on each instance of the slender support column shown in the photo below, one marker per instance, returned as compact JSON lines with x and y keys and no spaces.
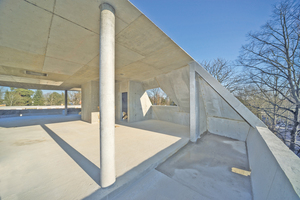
{"x":193,"y":133}
{"x":107,"y":95}
{"x":66,"y":102}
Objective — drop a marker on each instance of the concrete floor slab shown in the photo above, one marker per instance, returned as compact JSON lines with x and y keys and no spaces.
{"x":156,"y":185}
{"x":57,"y":157}
{"x":205,"y":167}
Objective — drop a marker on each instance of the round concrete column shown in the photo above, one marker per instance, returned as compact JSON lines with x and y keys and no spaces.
{"x":107,"y":95}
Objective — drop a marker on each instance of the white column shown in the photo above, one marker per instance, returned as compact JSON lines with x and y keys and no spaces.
{"x":66,"y":102}
{"x":107,"y":95}
{"x":193,"y":113}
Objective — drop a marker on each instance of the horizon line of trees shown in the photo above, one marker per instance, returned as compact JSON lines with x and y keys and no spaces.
{"x":25,"y":97}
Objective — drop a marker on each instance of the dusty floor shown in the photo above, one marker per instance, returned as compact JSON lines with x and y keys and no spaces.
{"x":57,"y":157}
{"x":200,"y":170}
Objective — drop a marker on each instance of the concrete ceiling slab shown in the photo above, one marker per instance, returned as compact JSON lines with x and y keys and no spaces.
{"x":46,"y":4}
{"x":87,"y":13}
{"x":22,"y":80}
{"x":120,"y":25}
{"x":143,"y":37}
{"x":137,"y":71}
{"x":70,"y":42}
{"x":61,"y":38}
{"x":83,"y":13}
{"x":60,"y":66}
{"x":170,"y":55}
{"x":6,"y":78}
{"x":21,"y":73}
{"x":25,"y":80}
{"x":30,"y":85}
{"x":94,"y":62}
{"x":83,"y":75}
{"x":24,"y":27}
{"x":125,"y":56}
{"x":21,"y":59}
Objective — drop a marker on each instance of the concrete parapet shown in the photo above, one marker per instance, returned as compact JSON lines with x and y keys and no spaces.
{"x":171,"y":114}
{"x":275,"y":170}
{"x":36,"y":111}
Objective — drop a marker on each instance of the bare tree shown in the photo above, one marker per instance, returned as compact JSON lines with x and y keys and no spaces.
{"x":155,"y":95}
{"x":272,"y":58}
{"x":159,"y":97}
{"x":223,"y":71}
{"x":74,"y":97}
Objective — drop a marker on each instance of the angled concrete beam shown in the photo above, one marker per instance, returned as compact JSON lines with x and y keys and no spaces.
{"x":107,"y":95}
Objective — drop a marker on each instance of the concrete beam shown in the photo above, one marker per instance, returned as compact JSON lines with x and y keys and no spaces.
{"x":107,"y":95}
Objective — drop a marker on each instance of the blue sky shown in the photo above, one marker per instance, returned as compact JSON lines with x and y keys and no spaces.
{"x":208,"y":29}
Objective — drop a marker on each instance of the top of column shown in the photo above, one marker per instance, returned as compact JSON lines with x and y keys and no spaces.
{"x":106,"y":6}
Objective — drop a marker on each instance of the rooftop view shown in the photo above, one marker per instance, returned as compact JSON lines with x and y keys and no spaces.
{"x":149,"y":99}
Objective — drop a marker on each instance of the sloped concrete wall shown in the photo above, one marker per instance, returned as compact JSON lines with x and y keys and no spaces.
{"x":225,"y":115}
{"x":90,"y":102}
{"x":240,"y":108}
{"x":222,"y":119}
{"x":139,"y":104}
{"x":176,"y":85}
{"x":275,"y":170}
{"x":171,"y":114}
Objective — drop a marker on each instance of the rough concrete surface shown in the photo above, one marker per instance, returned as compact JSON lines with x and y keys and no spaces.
{"x":205,"y":167}
{"x":276,"y":169}
{"x":57,"y":157}
{"x":156,"y":185}
{"x":62,"y":39}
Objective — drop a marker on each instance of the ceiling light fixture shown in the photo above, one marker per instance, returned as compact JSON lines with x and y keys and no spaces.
{"x":35,"y":73}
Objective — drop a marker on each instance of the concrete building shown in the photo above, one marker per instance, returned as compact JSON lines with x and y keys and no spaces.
{"x":114,"y":53}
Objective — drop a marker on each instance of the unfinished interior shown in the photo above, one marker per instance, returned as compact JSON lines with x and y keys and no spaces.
{"x":114,"y":53}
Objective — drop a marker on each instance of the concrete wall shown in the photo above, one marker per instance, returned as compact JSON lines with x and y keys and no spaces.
{"x":275,"y":170}
{"x":176,"y":85}
{"x":90,"y":102}
{"x":217,"y":110}
{"x":233,"y":102}
{"x":222,"y":119}
{"x":139,"y":104}
{"x":171,"y":114}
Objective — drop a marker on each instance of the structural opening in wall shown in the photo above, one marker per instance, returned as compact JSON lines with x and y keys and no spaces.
{"x":159,"y":97}
{"x":124,"y":106}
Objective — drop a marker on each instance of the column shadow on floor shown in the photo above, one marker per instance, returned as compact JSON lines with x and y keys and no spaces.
{"x":90,"y":168}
